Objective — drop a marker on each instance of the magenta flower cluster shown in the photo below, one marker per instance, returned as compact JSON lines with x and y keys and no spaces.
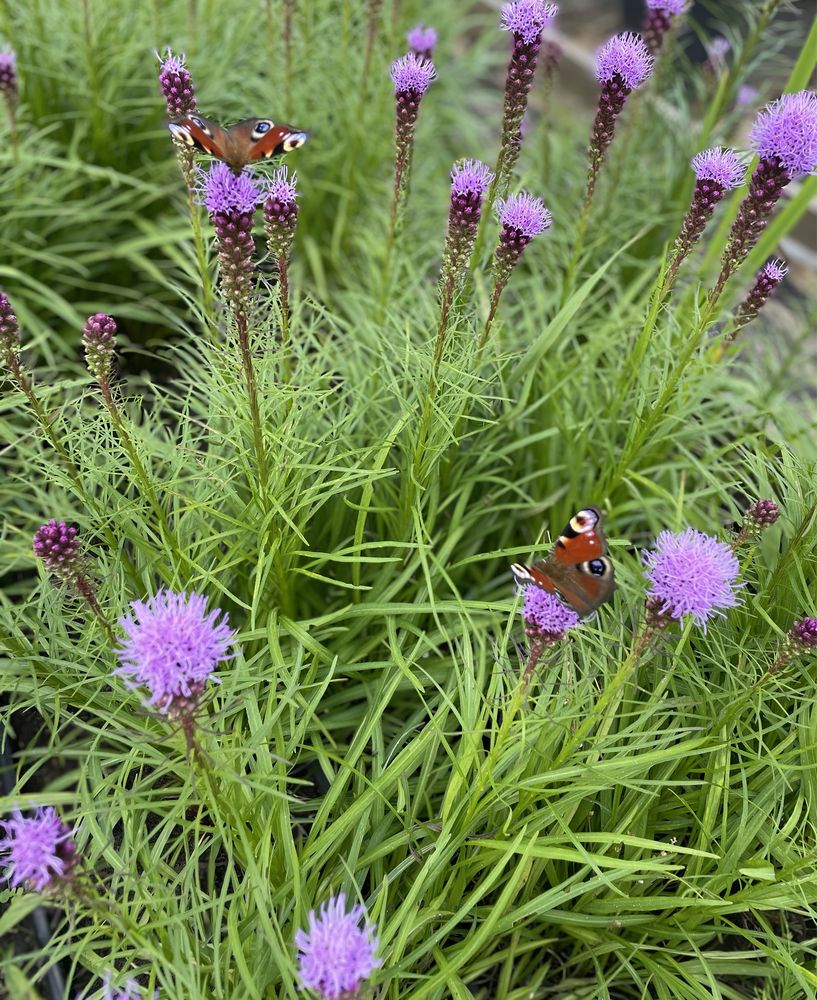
{"x":224,"y":192}
{"x":523,"y":217}
{"x":176,"y":85}
{"x":56,"y":543}
{"x":546,"y":615}
{"x":626,"y":57}
{"x":9,"y":327}
{"x":804,"y":633}
{"x":337,"y":954}
{"x":786,"y":129}
{"x":172,"y":646}
{"x":526,"y":19}
{"x":692,"y":574}
{"x":40,"y":848}
{"x":723,"y":166}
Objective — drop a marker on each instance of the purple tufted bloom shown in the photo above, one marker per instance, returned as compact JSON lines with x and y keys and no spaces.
{"x":176,"y":85}
{"x":172,"y":647}
{"x":281,"y":212}
{"x":412,"y":75}
{"x":526,"y":19}
{"x":546,"y":617}
{"x":658,"y":19}
{"x":56,"y":543}
{"x":624,"y":58}
{"x":337,"y":955}
{"x":422,"y":41}
{"x":8,"y":77}
{"x":99,"y":341}
{"x":42,"y":855}
{"x":522,"y":217}
{"x":786,"y":131}
{"x":766,"y":280}
{"x":717,"y":171}
{"x":231,"y":199}
{"x":691,"y":574}
{"x":9,"y":328}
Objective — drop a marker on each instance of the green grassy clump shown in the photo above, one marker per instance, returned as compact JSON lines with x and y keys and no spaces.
{"x":371,"y":736}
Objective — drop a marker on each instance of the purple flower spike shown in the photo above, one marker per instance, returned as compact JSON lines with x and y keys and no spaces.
{"x":523,"y":216}
{"x":9,"y":328}
{"x":422,"y":41}
{"x":8,"y":77}
{"x":337,"y":955}
{"x":527,"y":18}
{"x":226,"y":192}
{"x":172,"y":648}
{"x":786,"y":130}
{"x":470,"y":177}
{"x":723,"y":166}
{"x":626,"y":57}
{"x":42,"y":855}
{"x":412,"y":75}
{"x":766,"y":280}
{"x":691,"y":574}
{"x":99,"y":341}
{"x":281,"y":212}
{"x":546,"y":617}
{"x":176,"y":85}
{"x":658,"y":19}
{"x":56,"y":543}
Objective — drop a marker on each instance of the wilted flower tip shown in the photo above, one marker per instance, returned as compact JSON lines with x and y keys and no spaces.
{"x":787,"y":129}
{"x":524,"y":213}
{"x":723,"y":166}
{"x":336,"y":954}
{"x":41,"y":850}
{"x":692,"y":574}
{"x":411,"y":74}
{"x":527,"y":18}
{"x":625,"y":56}
{"x":223,"y":191}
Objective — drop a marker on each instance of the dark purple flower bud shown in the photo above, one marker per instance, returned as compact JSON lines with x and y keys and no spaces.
{"x":804,"y":634}
{"x":99,"y":341}
{"x":9,"y":328}
{"x":522,"y":217}
{"x":8,"y":77}
{"x":281,"y":212}
{"x":766,"y":280}
{"x":658,"y":19}
{"x":56,"y":543}
{"x":42,"y":855}
{"x":231,"y":199}
{"x":422,"y":41}
{"x":761,"y":514}
{"x":176,"y":85}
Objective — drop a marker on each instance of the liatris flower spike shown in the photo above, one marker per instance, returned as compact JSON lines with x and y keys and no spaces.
{"x":767,"y":279}
{"x":547,"y":621}
{"x":57,"y":544}
{"x":99,"y":341}
{"x":411,"y":77}
{"x":8,"y":78}
{"x":522,"y":217}
{"x":422,"y":41}
{"x":760,"y":515}
{"x":658,"y":19}
{"x":717,"y":171}
{"x":785,"y":138}
{"x":42,"y":855}
{"x":800,"y":640}
{"x":281,"y":213}
{"x":691,"y":574}
{"x":176,"y":85}
{"x":525,"y":20}
{"x":9,"y":331}
{"x":337,"y":954}
{"x":172,"y":647}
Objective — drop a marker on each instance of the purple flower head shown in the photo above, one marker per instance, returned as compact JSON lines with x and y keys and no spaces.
{"x":524,"y":213}
{"x":56,"y":543}
{"x":626,"y":56}
{"x":99,"y":340}
{"x":787,"y":129}
{"x":9,"y":327}
{"x":410,"y":74}
{"x":222,"y":191}
{"x":546,"y":613}
{"x":692,"y":574}
{"x":8,"y":74}
{"x":281,"y":212}
{"x":172,"y":648}
{"x":804,"y":633}
{"x":747,"y":94}
{"x":337,"y":955}
{"x":422,"y":41}
{"x":723,"y":166}
{"x":775,"y":269}
{"x":41,"y":850}
{"x":673,"y":7}
{"x":527,"y":18}
{"x":282,"y":187}
{"x":470,"y":177}
{"x":176,"y":85}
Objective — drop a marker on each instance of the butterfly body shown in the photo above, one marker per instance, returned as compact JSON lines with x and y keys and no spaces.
{"x":245,"y":142}
{"x":577,"y":570}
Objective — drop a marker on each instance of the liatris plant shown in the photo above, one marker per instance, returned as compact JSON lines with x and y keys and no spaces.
{"x":767,"y":279}
{"x":547,"y":621}
{"x":469,"y":182}
{"x":522,"y":217}
{"x":691,"y":574}
{"x":717,"y":171}
{"x":337,"y":954}
{"x":760,"y":515}
{"x":801,"y":640}
{"x":411,"y":77}
{"x":525,"y":20}
{"x":176,"y":85}
{"x":57,"y":544}
{"x":9,"y":88}
{"x":785,"y":138}
{"x":280,"y":220}
{"x":42,"y":854}
{"x":422,"y":41}
{"x":172,"y":647}
{"x":99,"y":341}
{"x":658,"y":19}
{"x":9,"y":335}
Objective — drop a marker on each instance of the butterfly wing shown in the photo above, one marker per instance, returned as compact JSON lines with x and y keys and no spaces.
{"x":200,"y":133}
{"x":260,"y":139}
{"x":577,"y":570}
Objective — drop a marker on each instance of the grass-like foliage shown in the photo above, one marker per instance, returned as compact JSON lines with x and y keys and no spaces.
{"x":623,"y":807}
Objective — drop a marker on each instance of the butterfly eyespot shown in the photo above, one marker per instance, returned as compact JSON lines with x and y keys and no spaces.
{"x":584,"y":520}
{"x":596,"y":567}
{"x":294,"y":141}
{"x":261,"y":128}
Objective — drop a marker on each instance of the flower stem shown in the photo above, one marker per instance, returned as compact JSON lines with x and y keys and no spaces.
{"x":283,"y":299}
{"x":252,"y":394}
